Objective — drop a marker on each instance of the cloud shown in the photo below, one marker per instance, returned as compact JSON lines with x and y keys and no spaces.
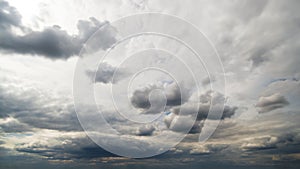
{"x":272,"y":102}
{"x":208,"y":99}
{"x":64,"y":147}
{"x":146,"y":130}
{"x":203,"y":110}
{"x":12,"y":125}
{"x":140,"y":97}
{"x":179,"y":123}
{"x":270,"y":142}
{"x":207,"y":149}
{"x":52,"y":42}
{"x":181,"y":117}
{"x":26,"y":109}
{"x":107,"y":74}
{"x":8,"y":16}
{"x":208,"y":80}
{"x":257,"y":34}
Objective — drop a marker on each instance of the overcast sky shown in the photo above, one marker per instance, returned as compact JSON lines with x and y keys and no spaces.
{"x":252,"y":48}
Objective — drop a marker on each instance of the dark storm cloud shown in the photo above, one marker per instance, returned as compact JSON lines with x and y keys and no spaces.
{"x":272,"y":102}
{"x":106,"y":74}
{"x":52,"y":42}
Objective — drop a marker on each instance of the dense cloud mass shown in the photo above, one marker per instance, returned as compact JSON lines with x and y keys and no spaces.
{"x":258,"y":43}
{"x":272,"y":102}
{"x":52,"y":42}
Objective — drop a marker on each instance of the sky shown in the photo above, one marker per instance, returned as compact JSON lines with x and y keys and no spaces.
{"x":140,"y":83}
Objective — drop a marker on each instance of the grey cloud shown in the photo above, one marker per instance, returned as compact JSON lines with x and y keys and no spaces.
{"x":107,"y":74}
{"x":174,"y":96}
{"x":26,"y":111}
{"x":208,"y":149}
{"x":208,"y":99}
{"x":203,"y":110}
{"x":69,"y":147}
{"x":287,"y":87}
{"x":52,"y":117}
{"x":212,"y":97}
{"x":271,"y":142}
{"x":52,"y":42}
{"x":275,"y":34}
{"x":272,"y":102}
{"x":181,"y":117}
{"x":12,"y":125}
{"x":250,"y":9}
{"x":145,"y":130}
{"x":8,"y":16}
{"x":197,"y":127}
{"x":208,"y":80}
{"x":258,"y":57}
{"x":182,"y":123}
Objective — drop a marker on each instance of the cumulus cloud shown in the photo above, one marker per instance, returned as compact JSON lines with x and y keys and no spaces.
{"x":272,"y":102}
{"x":180,"y":123}
{"x":52,"y":42}
{"x":181,"y":117}
{"x":146,"y":130}
{"x":140,"y":97}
